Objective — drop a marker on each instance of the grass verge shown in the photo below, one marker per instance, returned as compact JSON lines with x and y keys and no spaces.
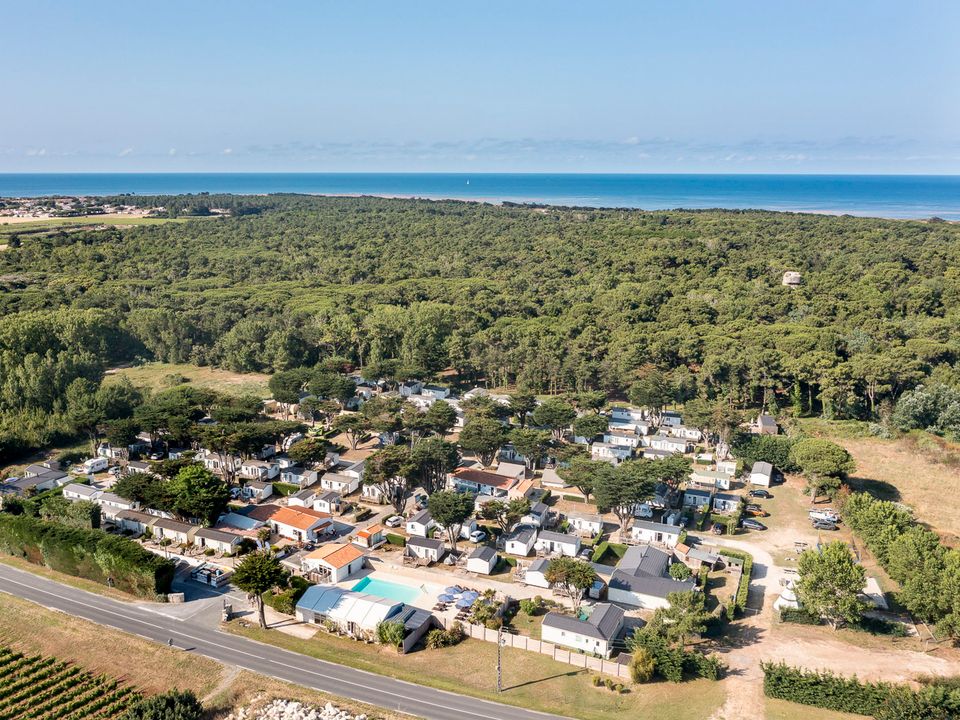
{"x":531,"y":680}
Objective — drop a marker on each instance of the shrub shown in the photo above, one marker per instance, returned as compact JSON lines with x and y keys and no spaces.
{"x":573,"y":498}
{"x":174,"y":705}
{"x":438,"y":638}
{"x":87,"y":553}
{"x":884,"y":701}
{"x":397,"y":540}
{"x":642,"y":666}
{"x":799,"y":616}
{"x":609,"y":683}
{"x":596,"y":680}
{"x":532,"y":606}
{"x":679,"y":571}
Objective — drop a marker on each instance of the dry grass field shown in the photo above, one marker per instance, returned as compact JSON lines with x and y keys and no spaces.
{"x":917,"y":469}
{"x":159,"y":376}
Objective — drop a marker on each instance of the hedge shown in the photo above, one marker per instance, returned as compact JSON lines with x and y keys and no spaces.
{"x":284,"y":489}
{"x":574,"y":498}
{"x":91,"y":554}
{"x":744,"y":589}
{"x":881,"y":700}
{"x":397,"y":540}
{"x":604,"y":547}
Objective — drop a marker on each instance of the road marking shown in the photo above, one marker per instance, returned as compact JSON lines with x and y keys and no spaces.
{"x":296,"y":656}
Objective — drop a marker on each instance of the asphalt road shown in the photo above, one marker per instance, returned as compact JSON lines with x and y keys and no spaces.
{"x":191,"y":635}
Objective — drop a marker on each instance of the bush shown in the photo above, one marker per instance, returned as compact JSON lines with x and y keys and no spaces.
{"x":91,"y":554}
{"x":596,"y":680}
{"x":642,"y":666}
{"x":573,"y":498}
{"x":397,"y":540}
{"x":679,"y":571}
{"x":438,"y":638}
{"x":609,"y":683}
{"x":774,"y":449}
{"x":884,"y":701}
{"x":799,"y":616}
{"x":174,"y":705}
{"x":532,"y":606}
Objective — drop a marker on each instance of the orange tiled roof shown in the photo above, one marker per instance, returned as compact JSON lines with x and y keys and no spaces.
{"x":371,"y":531}
{"x":300,"y":518}
{"x":336,"y":555}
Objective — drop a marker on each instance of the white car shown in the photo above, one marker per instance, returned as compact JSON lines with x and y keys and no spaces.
{"x":825,"y":514}
{"x":478,"y":536}
{"x":643,"y":510}
{"x":393,"y":521}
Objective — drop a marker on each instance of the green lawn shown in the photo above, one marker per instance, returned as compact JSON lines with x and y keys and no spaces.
{"x":158,"y":376}
{"x":531,"y":680}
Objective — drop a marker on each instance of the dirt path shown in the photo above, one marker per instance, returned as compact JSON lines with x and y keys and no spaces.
{"x":226,"y":680}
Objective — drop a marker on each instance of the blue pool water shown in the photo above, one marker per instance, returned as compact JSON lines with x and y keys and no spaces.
{"x":388,"y":590}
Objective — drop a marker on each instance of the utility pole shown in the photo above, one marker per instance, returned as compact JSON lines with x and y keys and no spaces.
{"x":500,"y":642}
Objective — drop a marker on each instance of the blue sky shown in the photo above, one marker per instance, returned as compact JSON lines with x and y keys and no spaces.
{"x":642,"y":86}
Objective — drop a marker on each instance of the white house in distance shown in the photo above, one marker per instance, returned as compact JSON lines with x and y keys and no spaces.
{"x":424,"y":548}
{"x":74,"y":492}
{"x":521,"y":540}
{"x":761,"y":474}
{"x":670,"y":418}
{"x":622,"y":438}
{"x":554,"y":543}
{"x":420,"y":524}
{"x":643,"y":531}
{"x":334,"y":562}
{"x":594,"y":635}
{"x":217,"y":540}
{"x":667,"y":443}
{"x":482,"y":560}
{"x":111,"y":504}
{"x":608,"y":452}
{"x":340,"y":483}
{"x":585,"y":524}
{"x":764,"y":425}
{"x":178,"y":533}
{"x":684,"y":432}
{"x":725,"y":502}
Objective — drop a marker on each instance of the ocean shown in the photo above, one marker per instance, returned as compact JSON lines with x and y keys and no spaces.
{"x":890,"y":196}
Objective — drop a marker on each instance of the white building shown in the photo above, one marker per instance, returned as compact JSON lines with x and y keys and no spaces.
{"x":586,"y":524}
{"x":554,"y":543}
{"x":643,"y":531}
{"x":482,"y":560}
{"x":424,"y":548}
{"x":520,"y":541}
{"x":334,"y":562}
{"x":420,"y":524}
{"x":595,"y":635}
{"x":761,"y":474}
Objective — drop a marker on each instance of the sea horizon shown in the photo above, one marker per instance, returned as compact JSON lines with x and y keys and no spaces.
{"x":914,"y":196}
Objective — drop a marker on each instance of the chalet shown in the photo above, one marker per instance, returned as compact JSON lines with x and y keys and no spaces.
{"x":423,"y":548}
{"x":482,"y":560}
{"x":374,"y":494}
{"x":585,"y":524}
{"x":684,"y":432}
{"x":134,"y":522}
{"x":421,"y":524}
{"x":554,"y":543}
{"x":728,"y":467}
{"x":333,"y":562}
{"x":257,"y":490}
{"x":697,"y":499}
{"x":710,"y":479}
{"x":668,"y":443}
{"x":217,"y":464}
{"x":137,"y":467}
{"x":670,"y":418}
{"x":178,"y":533}
{"x":111,"y":504}
{"x":328,"y":502}
{"x":299,"y":476}
{"x":539,"y":515}
{"x":621,"y":438}
{"x":635,"y":416}
{"x":340,"y":483}
{"x":764,"y":425}
{"x":596,"y":635}
{"x":371,"y":537}
{"x":301,"y":524}
{"x":217,"y":540}
{"x":259,"y":469}
{"x":608,"y":452}
{"x":435,"y":391}
{"x":761,"y":474}
{"x":516,"y":471}
{"x":521,"y":540}
{"x":726,"y":502}
{"x":641,"y":579}
{"x":481,"y":482}
{"x":75,"y":492}
{"x":647,"y":532}
{"x":302,"y":498}
{"x":550,"y":479}
{"x":411,"y":387}
{"x":654,"y":454}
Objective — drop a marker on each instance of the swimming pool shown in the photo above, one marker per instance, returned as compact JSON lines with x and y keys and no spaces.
{"x":388,"y":590}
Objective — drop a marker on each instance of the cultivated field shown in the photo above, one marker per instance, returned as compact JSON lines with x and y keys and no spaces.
{"x":34,"y":686}
{"x":160,"y":376}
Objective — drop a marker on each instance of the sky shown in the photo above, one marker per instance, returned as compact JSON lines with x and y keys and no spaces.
{"x":521,"y":86}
